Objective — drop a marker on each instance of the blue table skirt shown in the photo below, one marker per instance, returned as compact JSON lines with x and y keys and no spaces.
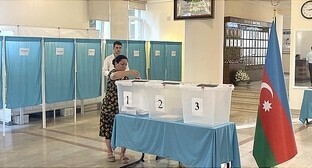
{"x":306,"y":106}
{"x":192,"y":145}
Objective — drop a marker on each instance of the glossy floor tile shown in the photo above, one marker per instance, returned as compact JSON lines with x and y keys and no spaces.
{"x":68,"y":144}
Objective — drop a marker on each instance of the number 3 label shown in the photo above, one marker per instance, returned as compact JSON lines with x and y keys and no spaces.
{"x":197,"y":106}
{"x":160,"y":103}
{"x":127,"y":99}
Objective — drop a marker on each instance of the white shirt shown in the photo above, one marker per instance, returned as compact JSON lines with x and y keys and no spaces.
{"x":108,"y":64}
{"x":309,"y":57}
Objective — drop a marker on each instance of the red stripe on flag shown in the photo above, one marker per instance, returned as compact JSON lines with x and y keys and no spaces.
{"x":276,"y":124}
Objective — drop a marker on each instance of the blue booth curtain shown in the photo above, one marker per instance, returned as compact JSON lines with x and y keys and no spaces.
{"x":109,"y":47}
{"x":137,"y":57}
{"x":59,"y":69}
{"x":89,"y":68}
{"x":23,"y":69}
{"x":173,"y":61}
{"x":1,"y":98}
{"x":157,"y":60}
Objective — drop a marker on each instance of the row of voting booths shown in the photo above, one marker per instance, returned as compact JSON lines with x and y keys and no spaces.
{"x":42,"y":72}
{"x":164,"y":58}
{"x":39,"y":72}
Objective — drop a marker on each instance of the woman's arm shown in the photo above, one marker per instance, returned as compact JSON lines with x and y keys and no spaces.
{"x":120,"y":74}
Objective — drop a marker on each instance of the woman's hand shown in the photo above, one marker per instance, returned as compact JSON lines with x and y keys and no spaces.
{"x":120,"y":74}
{"x":135,"y":73}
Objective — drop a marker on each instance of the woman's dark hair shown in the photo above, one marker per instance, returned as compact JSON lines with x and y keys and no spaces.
{"x":118,"y":59}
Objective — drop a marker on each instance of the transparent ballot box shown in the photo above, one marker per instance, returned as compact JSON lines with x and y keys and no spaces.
{"x":164,"y":100}
{"x":131,"y":98}
{"x":206,"y":103}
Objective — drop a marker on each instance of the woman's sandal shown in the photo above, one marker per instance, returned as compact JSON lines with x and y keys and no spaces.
{"x":124,"y":159}
{"x":110,"y":157}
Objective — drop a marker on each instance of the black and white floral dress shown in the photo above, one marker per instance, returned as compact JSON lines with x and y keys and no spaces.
{"x":109,"y":108}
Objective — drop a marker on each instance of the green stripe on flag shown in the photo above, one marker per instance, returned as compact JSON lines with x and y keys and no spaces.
{"x":261,"y":150}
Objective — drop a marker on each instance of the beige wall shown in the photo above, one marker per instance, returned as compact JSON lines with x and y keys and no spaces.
{"x":119,"y":20}
{"x":249,"y":9}
{"x":298,"y":23}
{"x":45,"y":13}
{"x":98,"y":10}
{"x":160,"y":26}
{"x":73,"y":14}
{"x":204,"y":48}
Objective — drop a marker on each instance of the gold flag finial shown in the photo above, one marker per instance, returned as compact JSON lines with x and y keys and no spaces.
{"x":274,"y":3}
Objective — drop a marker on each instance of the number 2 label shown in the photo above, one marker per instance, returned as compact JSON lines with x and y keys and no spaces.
{"x":160,"y":103}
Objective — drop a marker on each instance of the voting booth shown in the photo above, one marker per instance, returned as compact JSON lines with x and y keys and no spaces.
{"x":206,"y":103}
{"x":164,"y":100}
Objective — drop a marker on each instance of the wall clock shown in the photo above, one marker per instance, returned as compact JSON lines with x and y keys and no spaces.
{"x":306,"y":10}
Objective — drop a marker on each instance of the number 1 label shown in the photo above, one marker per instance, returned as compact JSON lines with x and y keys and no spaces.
{"x":127,"y":99}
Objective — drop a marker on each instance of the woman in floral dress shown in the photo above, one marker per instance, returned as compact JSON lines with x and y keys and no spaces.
{"x":110,"y":104}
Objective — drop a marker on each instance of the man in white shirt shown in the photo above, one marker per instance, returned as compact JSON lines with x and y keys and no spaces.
{"x":309,"y":57}
{"x":108,"y":61}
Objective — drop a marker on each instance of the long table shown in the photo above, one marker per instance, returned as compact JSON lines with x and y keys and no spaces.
{"x":306,"y":106}
{"x":192,"y":145}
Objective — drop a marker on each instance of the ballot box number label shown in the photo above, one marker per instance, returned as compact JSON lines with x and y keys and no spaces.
{"x":127,"y":99}
{"x":160,"y":103}
{"x":197,"y":106}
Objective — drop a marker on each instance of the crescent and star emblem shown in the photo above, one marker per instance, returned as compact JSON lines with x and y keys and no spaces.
{"x":266,"y":104}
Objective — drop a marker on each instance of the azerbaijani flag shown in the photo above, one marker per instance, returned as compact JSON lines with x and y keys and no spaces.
{"x":274,"y":141}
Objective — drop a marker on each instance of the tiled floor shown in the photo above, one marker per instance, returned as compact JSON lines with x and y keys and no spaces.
{"x":62,"y":144}
{"x":68,"y":144}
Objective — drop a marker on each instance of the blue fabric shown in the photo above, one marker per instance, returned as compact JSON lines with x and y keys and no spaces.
{"x":23,"y":71}
{"x":306,"y":106}
{"x":274,"y":69}
{"x":157,"y":62}
{"x":137,"y":62}
{"x":89,"y":68}
{"x":109,"y":47}
{"x":192,"y":145}
{"x":1,"y":101}
{"x":173,"y":61}
{"x":59,"y":70}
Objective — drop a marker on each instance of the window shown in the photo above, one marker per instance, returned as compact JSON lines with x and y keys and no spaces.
{"x":136,"y":24}
{"x":104,"y":29}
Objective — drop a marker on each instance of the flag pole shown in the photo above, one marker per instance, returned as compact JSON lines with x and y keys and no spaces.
{"x":274,"y":3}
